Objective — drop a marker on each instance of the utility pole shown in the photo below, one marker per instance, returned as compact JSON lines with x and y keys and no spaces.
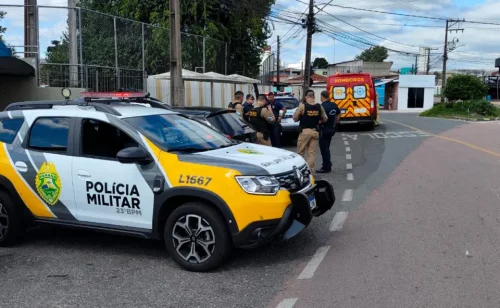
{"x":176,"y":82}
{"x":309,"y":26}
{"x":278,"y":64}
{"x":449,"y":23}
{"x":428,"y":66}
{"x":73,"y":44}
{"x":416,"y":64}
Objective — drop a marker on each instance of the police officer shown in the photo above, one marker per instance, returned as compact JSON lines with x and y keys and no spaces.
{"x":327,"y":131}
{"x":279,"y":112}
{"x":247,"y":106}
{"x":238,"y":103}
{"x":311,"y":115}
{"x":261,"y":118}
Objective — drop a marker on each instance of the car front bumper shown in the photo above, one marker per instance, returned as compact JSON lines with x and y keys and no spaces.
{"x":296,"y":217}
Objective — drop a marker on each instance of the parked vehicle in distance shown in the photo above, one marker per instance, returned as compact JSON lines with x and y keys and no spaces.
{"x":290,"y":129}
{"x":355,"y":96}
{"x":225,"y":121}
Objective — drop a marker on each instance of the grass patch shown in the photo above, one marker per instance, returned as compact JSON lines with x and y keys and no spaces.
{"x":470,"y":110}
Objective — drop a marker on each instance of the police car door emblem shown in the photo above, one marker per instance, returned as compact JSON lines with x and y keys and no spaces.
{"x":48,"y":183}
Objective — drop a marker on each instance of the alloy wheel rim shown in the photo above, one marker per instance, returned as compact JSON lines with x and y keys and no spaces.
{"x":194,"y":238}
{"x":4,"y":221}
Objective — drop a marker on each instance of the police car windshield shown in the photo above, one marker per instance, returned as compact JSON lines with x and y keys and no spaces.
{"x":289,"y":103}
{"x":173,"y":132}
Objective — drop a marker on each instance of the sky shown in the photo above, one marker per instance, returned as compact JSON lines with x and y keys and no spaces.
{"x":477,"y":46}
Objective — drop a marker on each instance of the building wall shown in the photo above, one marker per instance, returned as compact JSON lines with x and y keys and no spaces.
{"x":373,"y":68}
{"x":403,"y":100}
{"x":416,"y":81}
{"x":19,"y":89}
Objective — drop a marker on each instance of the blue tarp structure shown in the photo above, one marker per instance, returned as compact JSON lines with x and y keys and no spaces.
{"x":4,"y":50}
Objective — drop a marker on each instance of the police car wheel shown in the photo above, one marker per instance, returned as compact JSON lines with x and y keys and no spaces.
{"x":10,"y":222}
{"x":197,"y":237}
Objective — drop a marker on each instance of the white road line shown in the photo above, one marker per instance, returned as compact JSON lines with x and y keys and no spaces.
{"x":350,"y":177}
{"x":347,"y":196}
{"x":338,"y":221}
{"x":348,"y":149}
{"x":311,"y":267}
{"x":346,"y":143}
{"x":348,"y":156}
{"x":348,"y":166}
{"x":287,"y":303}
{"x":344,"y":138}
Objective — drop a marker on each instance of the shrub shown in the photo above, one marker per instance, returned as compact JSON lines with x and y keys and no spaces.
{"x":466,"y":109}
{"x":465,"y":87}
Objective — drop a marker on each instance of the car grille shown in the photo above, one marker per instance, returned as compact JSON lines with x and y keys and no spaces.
{"x":287,"y":180}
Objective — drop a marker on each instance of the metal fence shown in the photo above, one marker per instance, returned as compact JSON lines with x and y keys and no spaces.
{"x":77,"y":47}
{"x":268,"y":70}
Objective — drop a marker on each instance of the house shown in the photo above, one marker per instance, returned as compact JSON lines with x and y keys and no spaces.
{"x":376,"y":69}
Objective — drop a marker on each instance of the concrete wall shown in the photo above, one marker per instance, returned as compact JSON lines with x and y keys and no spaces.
{"x":416,"y":81}
{"x":18,"y":89}
{"x":373,"y":68}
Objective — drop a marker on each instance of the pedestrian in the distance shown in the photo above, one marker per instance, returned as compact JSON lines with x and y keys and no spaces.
{"x":311,"y":115}
{"x":390,"y":102}
{"x":262,"y":118}
{"x":327,"y":131}
{"x":279,"y":112}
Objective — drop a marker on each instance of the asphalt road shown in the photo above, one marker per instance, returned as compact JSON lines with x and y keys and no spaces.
{"x":410,"y":201}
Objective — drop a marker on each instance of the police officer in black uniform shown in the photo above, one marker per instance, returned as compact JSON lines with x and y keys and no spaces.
{"x":327,"y":131}
{"x":262,"y":118}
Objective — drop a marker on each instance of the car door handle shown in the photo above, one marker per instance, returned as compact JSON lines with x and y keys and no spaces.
{"x":83,"y":173}
{"x":21,"y":166}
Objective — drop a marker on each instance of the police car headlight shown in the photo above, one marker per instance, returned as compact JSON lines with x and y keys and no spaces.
{"x":259,"y":185}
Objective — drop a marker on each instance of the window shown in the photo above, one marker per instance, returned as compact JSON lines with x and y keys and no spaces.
{"x":359,"y":92}
{"x":102,"y":140}
{"x":9,"y":129}
{"x":289,"y":103}
{"x":50,"y":135}
{"x":172,"y":132}
{"x":339,"y":93}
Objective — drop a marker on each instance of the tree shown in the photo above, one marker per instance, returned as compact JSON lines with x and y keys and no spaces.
{"x":2,"y":29}
{"x":464,"y":87}
{"x":373,"y":54}
{"x":321,"y":63}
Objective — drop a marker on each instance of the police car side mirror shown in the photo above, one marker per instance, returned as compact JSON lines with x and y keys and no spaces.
{"x":134,"y":155}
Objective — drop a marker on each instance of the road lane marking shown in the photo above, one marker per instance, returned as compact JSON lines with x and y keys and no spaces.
{"x":348,"y":149}
{"x":350,"y":177}
{"x":287,"y":303}
{"x":470,"y":145}
{"x":338,"y":221}
{"x":348,"y":166}
{"x":344,"y":138}
{"x":312,"y":266}
{"x":347,"y":196}
{"x":346,"y":142}
{"x":348,"y":156}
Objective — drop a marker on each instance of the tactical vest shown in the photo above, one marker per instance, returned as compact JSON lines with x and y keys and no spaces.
{"x":257,"y":121}
{"x":311,"y":116}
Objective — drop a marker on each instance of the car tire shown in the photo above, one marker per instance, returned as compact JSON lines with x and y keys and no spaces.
{"x":211,"y":240}
{"x":11,"y":225}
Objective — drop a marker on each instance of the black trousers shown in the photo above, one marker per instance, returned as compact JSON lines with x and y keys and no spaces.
{"x":276,"y":135}
{"x":325,"y":140}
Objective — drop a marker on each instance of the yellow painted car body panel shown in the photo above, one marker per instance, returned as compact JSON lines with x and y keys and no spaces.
{"x":30,"y":199}
{"x":246,"y":208}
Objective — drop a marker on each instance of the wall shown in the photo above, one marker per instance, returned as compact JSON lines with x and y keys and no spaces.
{"x":18,"y":89}
{"x":373,"y":68}
{"x":202,"y":93}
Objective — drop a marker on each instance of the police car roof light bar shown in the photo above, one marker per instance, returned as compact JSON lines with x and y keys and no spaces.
{"x":113,"y":94}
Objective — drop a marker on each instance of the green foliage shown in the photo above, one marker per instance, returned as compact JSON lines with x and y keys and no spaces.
{"x":465,"y":87}
{"x":2,"y":29}
{"x":320,"y":63}
{"x":373,"y":54}
{"x":466,"y":109}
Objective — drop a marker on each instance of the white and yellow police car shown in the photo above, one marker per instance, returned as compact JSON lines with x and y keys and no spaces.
{"x":152,"y":173}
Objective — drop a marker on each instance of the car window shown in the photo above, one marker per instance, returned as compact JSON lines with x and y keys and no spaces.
{"x":359,"y":91}
{"x":50,"y":135}
{"x":229,"y":123}
{"x":9,"y":129}
{"x":172,"y":132}
{"x":339,"y":93}
{"x":103,"y":140}
{"x":289,"y":103}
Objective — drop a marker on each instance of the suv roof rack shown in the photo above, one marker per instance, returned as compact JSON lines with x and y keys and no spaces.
{"x":50,"y":104}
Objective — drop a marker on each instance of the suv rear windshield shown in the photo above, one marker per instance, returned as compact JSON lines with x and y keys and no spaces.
{"x":289,"y":103}
{"x":172,"y":132}
{"x":229,"y":123}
